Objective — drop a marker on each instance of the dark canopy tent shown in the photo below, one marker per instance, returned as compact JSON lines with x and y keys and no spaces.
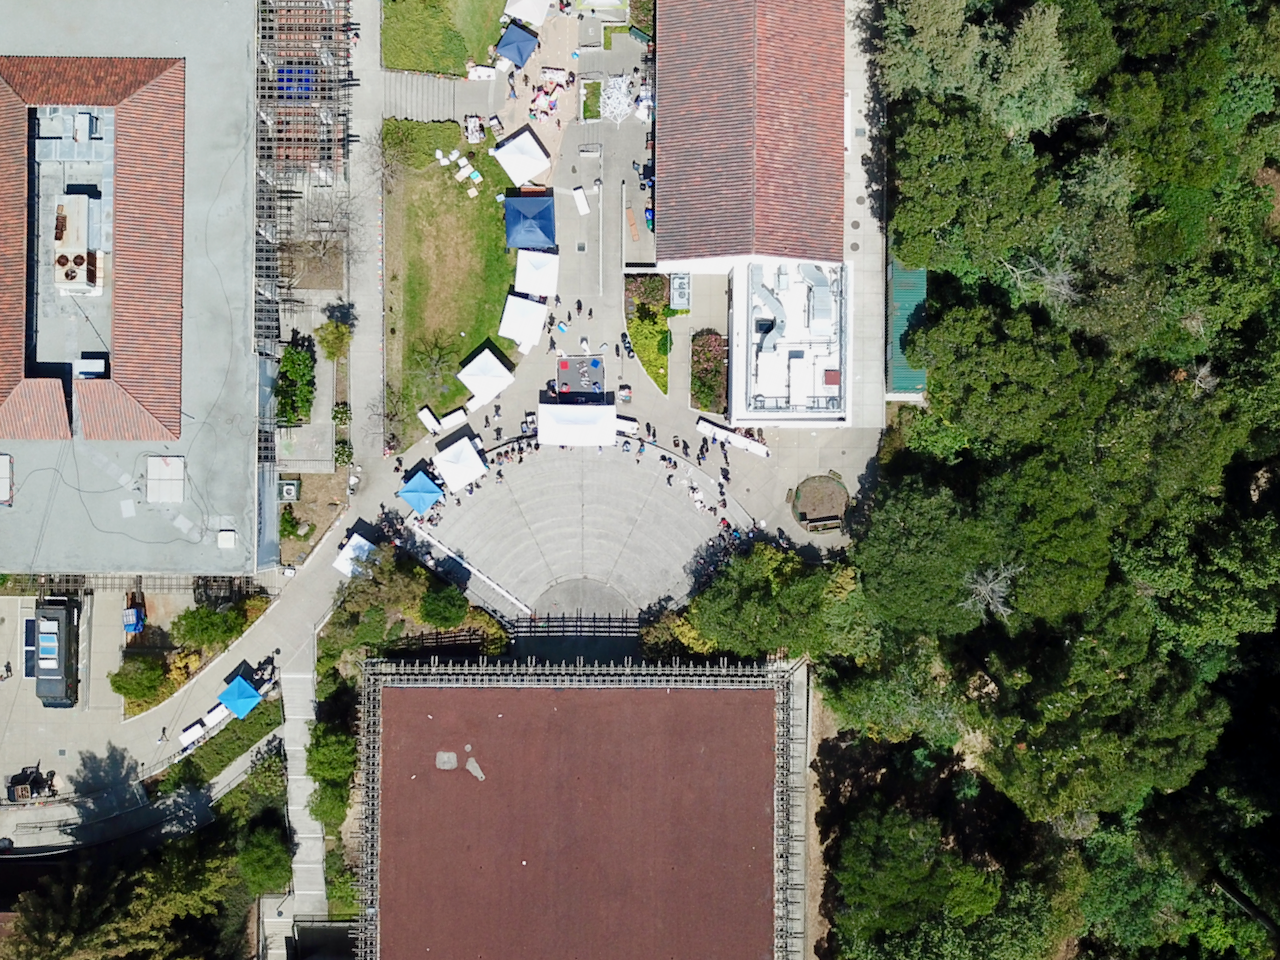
{"x":531,"y":222}
{"x":517,"y":44}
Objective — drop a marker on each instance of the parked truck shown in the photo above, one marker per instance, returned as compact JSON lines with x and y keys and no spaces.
{"x":57,"y":629}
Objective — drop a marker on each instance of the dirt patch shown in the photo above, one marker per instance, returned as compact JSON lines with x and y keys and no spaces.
{"x":1269,"y":178}
{"x":322,"y":497}
{"x":317,"y":266}
{"x":819,"y":499}
{"x":822,"y":726}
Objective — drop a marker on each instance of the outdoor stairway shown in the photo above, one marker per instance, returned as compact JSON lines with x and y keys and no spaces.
{"x":418,"y":96}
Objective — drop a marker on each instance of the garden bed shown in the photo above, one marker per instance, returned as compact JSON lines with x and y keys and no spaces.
{"x":647,"y":313}
{"x":709,"y":371}
{"x":591,"y":100}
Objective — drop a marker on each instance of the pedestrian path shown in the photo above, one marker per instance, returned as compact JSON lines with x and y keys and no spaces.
{"x":418,"y":96}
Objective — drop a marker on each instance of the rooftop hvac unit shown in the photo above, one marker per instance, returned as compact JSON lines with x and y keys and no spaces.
{"x":287,"y":491}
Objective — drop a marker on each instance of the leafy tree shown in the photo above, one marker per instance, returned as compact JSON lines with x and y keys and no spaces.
{"x":68,"y":916}
{"x":265,"y":862}
{"x":205,"y":629}
{"x":331,"y":755}
{"x":388,"y":580}
{"x":894,"y":873}
{"x":967,"y":198}
{"x":764,"y":601}
{"x":445,"y":607}
{"x":328,"y":804}
{"x":915,"y":556}
{"x":139,"y":677}
{"x":334,"y":338}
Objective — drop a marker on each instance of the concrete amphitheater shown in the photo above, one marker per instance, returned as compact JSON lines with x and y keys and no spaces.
{"x":585,"y":530}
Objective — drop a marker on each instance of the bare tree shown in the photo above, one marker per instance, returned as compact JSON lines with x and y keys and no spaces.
{"x":1056,"y":281}
{"x":989,"y":591}
{"x":1205,"y":381}
{"x":430,"y":362}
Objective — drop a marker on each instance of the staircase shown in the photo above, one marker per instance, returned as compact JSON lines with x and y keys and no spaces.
{"x":418,"y":96}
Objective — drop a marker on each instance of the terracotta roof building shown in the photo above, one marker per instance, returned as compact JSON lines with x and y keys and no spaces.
{"x":749,"y":140}
{"x":135,"y":392}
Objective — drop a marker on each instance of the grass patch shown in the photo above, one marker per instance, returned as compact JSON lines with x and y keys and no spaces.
{"x":651,"y":338}
{"x":437,"y":36}
{"x":216,"y":754}
{"x":447,"y":264}
{"x":610,"y":32}
{"x":591,"y":100}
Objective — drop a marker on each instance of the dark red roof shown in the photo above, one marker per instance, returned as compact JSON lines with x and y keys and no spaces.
{"x":749,"y":145}
{"x":143,"y":400}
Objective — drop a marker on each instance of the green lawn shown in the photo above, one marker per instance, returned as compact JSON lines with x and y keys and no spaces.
{"x":611,"y":32}
{"x":437,"y":36}
{"x":447,"y":265}
{"x":591,"y":100}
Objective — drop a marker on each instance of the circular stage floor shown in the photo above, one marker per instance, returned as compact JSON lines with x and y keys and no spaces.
{"x":581,"y":530}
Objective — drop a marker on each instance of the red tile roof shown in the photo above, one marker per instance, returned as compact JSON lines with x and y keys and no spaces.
{"x":13,"y":238}
{"x":75,"y":81}
{"x":35,"y":410}
{"x":749,"y":145}
{"x":107,"y":412}
{"x":143,"y":400}
{"x":146,"y":323}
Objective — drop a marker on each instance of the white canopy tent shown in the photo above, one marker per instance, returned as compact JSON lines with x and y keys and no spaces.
{"x":537,"y":274}
{"x":485,"y":377}
{"x":522,"y":321}
{"x":523,"y":157}
{"x":570,"y":425}
{"x":532,"y":12}
{"x":459,"y":464}
{"x":357,"y":548}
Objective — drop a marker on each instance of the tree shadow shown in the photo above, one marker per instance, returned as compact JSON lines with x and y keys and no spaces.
{"x":343,"y":312}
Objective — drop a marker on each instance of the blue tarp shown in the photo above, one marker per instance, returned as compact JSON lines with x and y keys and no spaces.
{"x":240,"y":697}
{"x":420,"y":493}
{"x":133,"y":620}
{"x":517,"y":44}
{"x":531,"y":223}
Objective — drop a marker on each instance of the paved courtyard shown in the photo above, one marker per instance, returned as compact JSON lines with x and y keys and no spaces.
{"x":581,"y":529}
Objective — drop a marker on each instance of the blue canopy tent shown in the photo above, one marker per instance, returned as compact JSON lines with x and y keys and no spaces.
{"x":517,"y":44}
{"x":420,"y":493}
{"x":240,"y":697}
{"x":531,"y":222}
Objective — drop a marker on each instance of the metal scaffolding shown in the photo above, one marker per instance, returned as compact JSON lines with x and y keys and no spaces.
{"x":788,"y":679}
{"x":303,"y":105}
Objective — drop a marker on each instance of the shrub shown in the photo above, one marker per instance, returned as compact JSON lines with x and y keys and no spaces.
{"x":445,"y":607}
{"x":139,"y":677}
{"x":334,"y":339}
{"x":185,"y":773}
{"x":205,"y":629}
{"x":254,"y":607}
{"x":265,"y":862}
{"x":295,"y":385}
{"x":331,"y":755}
{"x":649,"y":289}
{"x":342,"y":414}
{"x":289,"y":525}
{"x":343,"y":454}
{"x":328,"y":804}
